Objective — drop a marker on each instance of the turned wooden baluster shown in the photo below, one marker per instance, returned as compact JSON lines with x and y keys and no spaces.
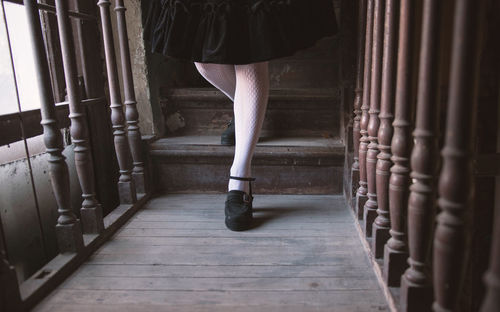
{"x":126,"y":186}
{"x":358,"y":95}
{"x":491,"y":301}
{"x":416,"y":292}
{"x":370,"y":209}
{"x":382,"y":223}
{"x":91,"y":211}
{"x":456,"y":181}
{"x":363,"y":141}
{"x":68,"y":227}
{"x":131,"y":113}
{"x":105,"y":165}
{"x":396,"y":249}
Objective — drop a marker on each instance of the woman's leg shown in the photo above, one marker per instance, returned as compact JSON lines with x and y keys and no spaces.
{"x":250,"y":102}
{"x":221,"y":76}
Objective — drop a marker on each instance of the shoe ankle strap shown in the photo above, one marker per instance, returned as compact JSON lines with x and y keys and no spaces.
{"x":250,"y":179}
{"x":242,"y":179}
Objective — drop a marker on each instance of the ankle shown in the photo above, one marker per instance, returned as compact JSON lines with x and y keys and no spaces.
{"x":240,"y":184}
{"x":235,"y":185}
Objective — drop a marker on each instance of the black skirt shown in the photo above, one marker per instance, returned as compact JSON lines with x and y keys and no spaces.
{"x":237,"y":31}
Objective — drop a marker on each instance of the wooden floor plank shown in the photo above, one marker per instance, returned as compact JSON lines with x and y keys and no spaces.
{"x":219,"y":225}
{"x":217,"y":217}
{"x":256,"y":232}
{"x":234,"y":271}
{"x":221,"y":284}
{"x":132,"y":307}
{"x":244,"y":242}
{"x":336,"y":300}
{"x":190,"y":257}
{"x":222,"y":252}
{"x":176,"y":255}
{"x":292,"y":219}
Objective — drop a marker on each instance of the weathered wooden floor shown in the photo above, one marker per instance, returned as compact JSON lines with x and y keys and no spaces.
{"x":176,"y":255}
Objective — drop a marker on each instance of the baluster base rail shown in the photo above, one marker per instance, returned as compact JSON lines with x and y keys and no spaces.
{"x":415,"y":298}
{"x":140,"y":182}
{"x":69,"y":237}
{"x":40,"y":284}
{"x":354,"y":185}
{"x":380,"y":236}
{"x":360,"y":204}
{"x":127,"y":192}
{"x":395,"y":264}
{"x":92,"y":220}
{"x":369,"y":215}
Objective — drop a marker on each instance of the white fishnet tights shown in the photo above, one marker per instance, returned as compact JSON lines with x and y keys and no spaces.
{"x":248,"y":87}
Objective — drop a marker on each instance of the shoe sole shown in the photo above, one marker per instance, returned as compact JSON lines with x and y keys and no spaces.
{"x":238,"y":227}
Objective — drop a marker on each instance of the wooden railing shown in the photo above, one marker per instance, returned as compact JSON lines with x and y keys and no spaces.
{"x":78,"y":237}
{"x":403,"y":182}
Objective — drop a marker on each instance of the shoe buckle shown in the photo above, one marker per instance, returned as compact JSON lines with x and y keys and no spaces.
{"x":247,"y":198}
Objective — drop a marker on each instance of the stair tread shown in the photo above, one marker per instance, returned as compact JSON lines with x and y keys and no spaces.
{"x":279,"y":148}
{"x":284,"y":165}
{"x":214,"y":140}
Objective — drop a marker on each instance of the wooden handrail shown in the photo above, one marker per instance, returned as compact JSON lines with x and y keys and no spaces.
{"x":52,"y":9}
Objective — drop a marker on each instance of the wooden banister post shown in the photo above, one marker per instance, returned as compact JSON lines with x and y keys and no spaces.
{"x":91,"y":211}
{"x":358,"y":97}
{"x":416,"y":291}
{"x":371,"y":205}
{"x":363,"y":141}
{"x":456,"y":181}
{"x":131,"y":113}
{"x":68,"y":228}
{"x":126,"y":186}
{"x":96,"y":104}
{"x":396,"y":249}
{"x":382,"y":223}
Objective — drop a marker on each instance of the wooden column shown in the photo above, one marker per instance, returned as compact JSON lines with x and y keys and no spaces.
{"x":382,"y":223}
{"x":416,"y":292}
{"x":91,"y":211}
{"x":396,"y":249}
{"x":68,"y":228}
{"x":363,"y":141}
{"x":456,"y":181}
{"x":358,"y":96}
{"x":96,"y":104}
{"x":371,"y":205}
{"x":126,"y":186}
{"x":131,"y":113}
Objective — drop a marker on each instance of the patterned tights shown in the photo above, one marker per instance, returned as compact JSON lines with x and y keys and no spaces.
{"x":248,"y":87}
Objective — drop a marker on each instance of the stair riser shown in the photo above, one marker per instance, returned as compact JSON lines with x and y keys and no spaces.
{"x":283,"y":118}
{"x":307,"y":73}
{"x":277,"y":122}
{"x":271,"y":179}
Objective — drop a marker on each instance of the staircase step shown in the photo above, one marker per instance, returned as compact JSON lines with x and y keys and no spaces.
{"x":291,"y":112}
{"x":304,"y":73}
{"x":284,"y":165}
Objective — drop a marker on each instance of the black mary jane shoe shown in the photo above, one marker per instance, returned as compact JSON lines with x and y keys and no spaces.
{"x":238,"y":208}
{"x":228,"y":137}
